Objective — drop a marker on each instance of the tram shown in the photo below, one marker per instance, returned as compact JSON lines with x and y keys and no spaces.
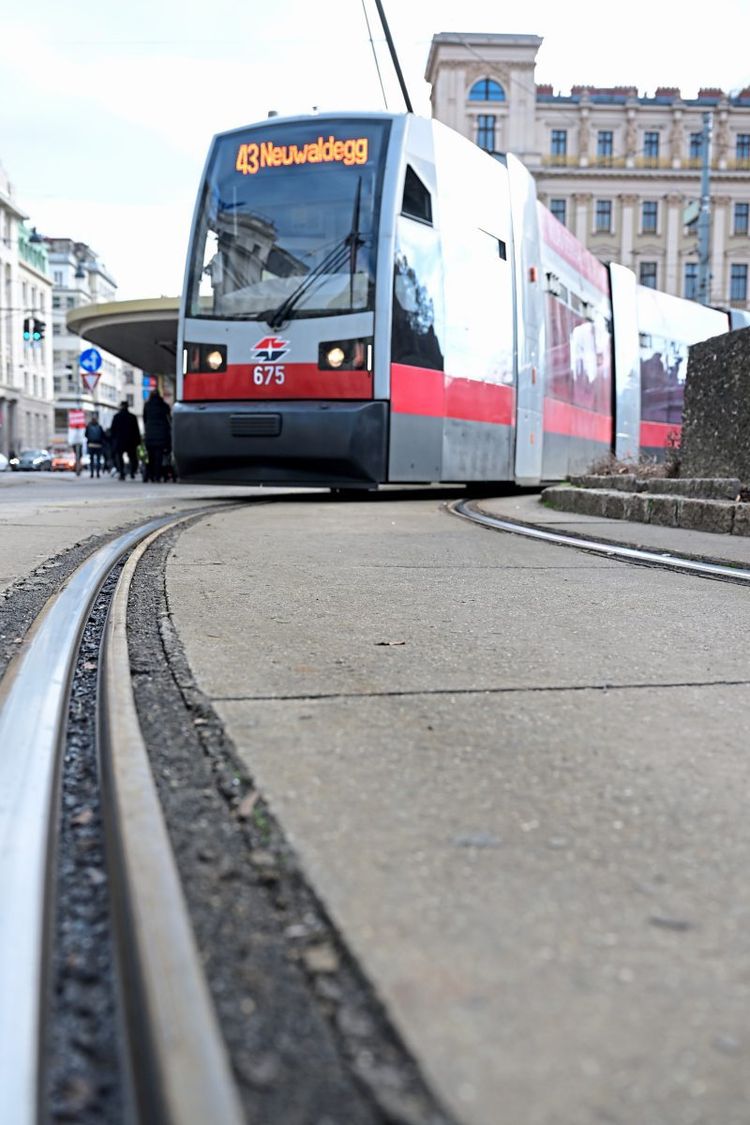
{"x":371,"y":299}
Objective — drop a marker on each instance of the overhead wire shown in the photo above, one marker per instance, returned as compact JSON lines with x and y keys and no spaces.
{"x":374,"y":54}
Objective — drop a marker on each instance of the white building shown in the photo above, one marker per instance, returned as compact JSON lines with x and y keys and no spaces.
{"x":80,"y":278}
{"x":26,"y":390}
{"x":619,"y":169}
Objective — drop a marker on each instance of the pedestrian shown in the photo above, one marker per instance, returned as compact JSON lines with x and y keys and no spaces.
{"x":125,"y":435}
{"x":94,"y":434}
{"x":107,"y":459}
{"x":157,"y":426}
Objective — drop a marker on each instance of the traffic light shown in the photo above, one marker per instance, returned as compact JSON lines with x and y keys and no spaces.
{"x":33,"y":329}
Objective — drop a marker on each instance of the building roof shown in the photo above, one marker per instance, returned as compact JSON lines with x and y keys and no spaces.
{"x":524,"y":45}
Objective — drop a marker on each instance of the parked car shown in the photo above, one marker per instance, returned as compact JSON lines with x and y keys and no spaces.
{"x":64,"y":460}
{"x":32,"y":460}
{"x":4,"y":463}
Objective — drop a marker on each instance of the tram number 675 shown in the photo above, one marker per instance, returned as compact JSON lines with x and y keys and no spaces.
{"x":266,"y":373}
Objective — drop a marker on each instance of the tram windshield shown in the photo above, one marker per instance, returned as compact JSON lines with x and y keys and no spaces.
{"x":288,"y":222}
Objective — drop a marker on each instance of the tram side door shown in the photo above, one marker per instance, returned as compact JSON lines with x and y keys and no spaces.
{"x":529,"y":316}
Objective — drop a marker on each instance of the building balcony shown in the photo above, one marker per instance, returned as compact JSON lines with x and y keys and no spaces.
{"x":554,"y":161}
{"x":607,"y":161}
{"x":560,"y":161}
{"x":644,"y":163}
{"x":654,"y":162}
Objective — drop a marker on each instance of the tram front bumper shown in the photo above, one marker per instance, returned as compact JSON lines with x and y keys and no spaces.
{"x":328,"y":443}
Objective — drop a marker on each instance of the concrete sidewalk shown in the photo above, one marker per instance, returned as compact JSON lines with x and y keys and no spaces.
{"x":676,"y":540}
{"x":516,"y":776}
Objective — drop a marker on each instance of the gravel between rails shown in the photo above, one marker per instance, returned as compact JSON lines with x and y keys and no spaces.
{"x":84,"y":1081}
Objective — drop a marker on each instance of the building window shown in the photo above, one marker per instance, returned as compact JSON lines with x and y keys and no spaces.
{"x":647,"y":274}
{"x":58,"y":277}
{"x":741,"y":216}
{"x":738,"y":283}
{"x":486,"y":131}
{"x":651,"y":146}
{"x":604,"y":143}
{"x":691,"y":280}
{"x":696,"y":146}
{"x":558,"y":209}
{"x":486,"y":90}
{"x":649,"y":216}
{"x":559,"y":142}
{"x":603,"y":216}
{"x":743,"y":146}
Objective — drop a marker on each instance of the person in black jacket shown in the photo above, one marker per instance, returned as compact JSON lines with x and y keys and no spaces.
{"x":125,"y":435}
{"x":95,"y":445}
{"x":157,"y":426}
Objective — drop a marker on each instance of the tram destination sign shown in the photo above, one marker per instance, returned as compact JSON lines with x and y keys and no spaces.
{"x":253,"y":157}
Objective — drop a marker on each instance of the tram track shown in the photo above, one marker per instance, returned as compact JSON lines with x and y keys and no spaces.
{"x":724,"y":572}
{"x":176,"y":1059}
{"x":199,"y":997}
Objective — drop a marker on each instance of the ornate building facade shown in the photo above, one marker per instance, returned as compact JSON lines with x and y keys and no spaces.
{"x":25,"y":364}
{"x":80,"y":278}
{"x":621,"y":170}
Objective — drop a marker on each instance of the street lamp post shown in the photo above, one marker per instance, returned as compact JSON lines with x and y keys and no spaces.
{"x":704,"y":215}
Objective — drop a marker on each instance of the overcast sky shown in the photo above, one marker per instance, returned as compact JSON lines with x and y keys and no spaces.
{"x":107,"y":110}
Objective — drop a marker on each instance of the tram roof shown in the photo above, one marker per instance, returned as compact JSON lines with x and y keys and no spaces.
{"x":142,"y":333}
{"x":323,"y":115}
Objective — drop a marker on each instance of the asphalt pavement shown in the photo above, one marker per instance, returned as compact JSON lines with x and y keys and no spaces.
{"x":514,"y":773}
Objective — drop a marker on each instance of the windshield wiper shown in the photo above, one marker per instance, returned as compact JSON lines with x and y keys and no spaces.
{"x":348,"y":247}
{"x":354,"y":241}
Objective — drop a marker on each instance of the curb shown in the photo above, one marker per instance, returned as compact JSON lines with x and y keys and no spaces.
{"x":664,"y":505}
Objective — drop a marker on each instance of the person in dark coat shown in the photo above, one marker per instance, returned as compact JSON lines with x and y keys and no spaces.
{"x":157,"y":426}
{"x":94,"y":443}
{"x":125,"y":435}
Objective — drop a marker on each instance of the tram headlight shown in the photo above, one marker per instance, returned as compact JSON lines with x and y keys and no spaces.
{"x":205,"y":358}
{"x":345,"y":355}
{"x":335,"y":356}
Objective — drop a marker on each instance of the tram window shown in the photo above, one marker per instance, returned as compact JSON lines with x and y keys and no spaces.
{"x":417,"y":203}
{"x":418,"y":328}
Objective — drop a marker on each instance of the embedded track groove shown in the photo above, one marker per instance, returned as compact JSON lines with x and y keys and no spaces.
{"x":469,"y":510}
{"x":185,"y":1063}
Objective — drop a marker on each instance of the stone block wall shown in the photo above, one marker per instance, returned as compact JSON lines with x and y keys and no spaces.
{"x":716,"y":421}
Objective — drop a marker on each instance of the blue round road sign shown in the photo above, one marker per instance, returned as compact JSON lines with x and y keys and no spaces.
{"x":90,"y":360}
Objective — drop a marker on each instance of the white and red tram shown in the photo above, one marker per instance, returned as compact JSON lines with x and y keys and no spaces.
{"x":370,"y":298}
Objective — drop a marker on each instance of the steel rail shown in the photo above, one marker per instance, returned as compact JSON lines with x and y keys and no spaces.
{"x":467,"y":510}
{"x":34,"y":697}
{"x":178,"y":1062}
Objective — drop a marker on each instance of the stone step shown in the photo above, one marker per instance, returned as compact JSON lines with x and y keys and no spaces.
{"x":699,"y":488}
{"x":726,"y":517}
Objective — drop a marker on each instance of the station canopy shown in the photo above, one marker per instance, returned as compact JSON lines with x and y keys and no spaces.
{"x":142,"y":333}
